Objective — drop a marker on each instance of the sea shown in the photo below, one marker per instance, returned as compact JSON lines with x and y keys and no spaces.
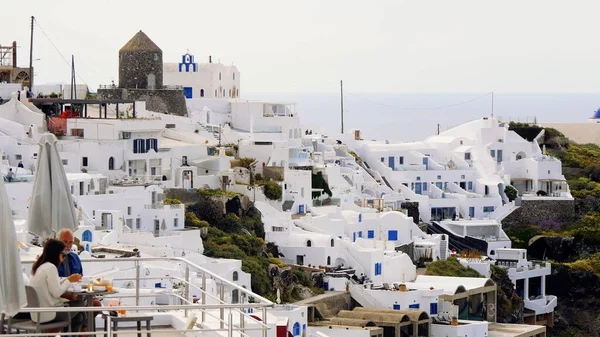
{"x":415,"y":116}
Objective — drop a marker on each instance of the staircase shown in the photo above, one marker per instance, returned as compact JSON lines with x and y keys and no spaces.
{"x":211,"y":129}
{"x":287,"y":205}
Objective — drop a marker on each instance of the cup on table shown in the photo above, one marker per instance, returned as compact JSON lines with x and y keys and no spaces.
{"x":77,"y":288}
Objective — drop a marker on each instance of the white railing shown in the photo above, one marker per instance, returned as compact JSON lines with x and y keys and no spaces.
{"x":260,"y":302}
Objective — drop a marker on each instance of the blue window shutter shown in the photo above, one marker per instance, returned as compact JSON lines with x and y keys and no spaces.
{"x":142,"y":146}
{"x":396,"y":306}
{"x":392,"y":235}
{"x":136,"y":146}
{"x":360,"y":234}
{"x":155,"y":144}
{"x":148,"y":144}
{"x":414,"y":306}
{"x":433,"y":309}
{"x":370,"y":234}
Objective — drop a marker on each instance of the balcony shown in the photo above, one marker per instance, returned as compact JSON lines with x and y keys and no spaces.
{"x":172,"y":310}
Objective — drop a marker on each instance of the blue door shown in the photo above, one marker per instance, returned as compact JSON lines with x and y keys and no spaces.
{"x":499,"y":156}
{"x":326,"y":286}
{"x":391,"y":162}
{"x":300,"y":209}
{"x":471,"y":212}
{"x":187,"y":91}
{"x":426,"y":163}
{"x":418,"y":188}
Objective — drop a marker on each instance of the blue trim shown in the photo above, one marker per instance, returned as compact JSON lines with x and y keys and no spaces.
{"x":433,"y":310}
{"x":392,"y":235}
{"x":370,"y":234}
{"x":396,"y":306}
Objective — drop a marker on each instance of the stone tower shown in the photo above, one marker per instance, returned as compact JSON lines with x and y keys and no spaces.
{"x":140,"y":64}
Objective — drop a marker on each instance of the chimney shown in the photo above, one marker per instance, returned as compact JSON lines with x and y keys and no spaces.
{"x":209,"y":59}
{"x":14,"y":54}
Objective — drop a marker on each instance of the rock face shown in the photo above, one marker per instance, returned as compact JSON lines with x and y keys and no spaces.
{"x":560,"y":248}
{"x":510,"y":305}
{"x":546,"y":213}
{"x":578,"y":307}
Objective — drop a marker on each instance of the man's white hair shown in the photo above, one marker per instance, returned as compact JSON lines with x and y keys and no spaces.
{"x":63,"y":232}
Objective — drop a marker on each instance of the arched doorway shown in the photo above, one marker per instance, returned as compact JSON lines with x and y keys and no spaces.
{"x":111,"y":163}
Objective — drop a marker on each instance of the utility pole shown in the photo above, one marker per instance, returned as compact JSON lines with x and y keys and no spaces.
{"x":342,"y":103}
{"x":31,"y":58}
{"x":73,"y":82}
{"x":438,"y":132}
{"x":219,"y":136}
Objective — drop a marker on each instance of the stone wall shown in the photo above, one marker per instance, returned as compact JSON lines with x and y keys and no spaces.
{"x":171,"y":101}
{"x":135,"y":68}
{"x":413,"y":210}
{"x":549,"y":213}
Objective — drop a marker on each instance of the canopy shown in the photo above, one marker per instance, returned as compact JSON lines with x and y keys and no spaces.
{"x":51,"y":207}
{"x":12,"y":288}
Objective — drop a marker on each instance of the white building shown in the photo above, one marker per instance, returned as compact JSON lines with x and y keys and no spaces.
{"x":203,"y":80}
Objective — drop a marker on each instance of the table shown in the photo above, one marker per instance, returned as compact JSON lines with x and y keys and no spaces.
{"x":129,"y":318}
{"x":89,"y":296}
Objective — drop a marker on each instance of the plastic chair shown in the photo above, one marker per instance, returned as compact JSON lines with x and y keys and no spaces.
{"x":29,"y":325}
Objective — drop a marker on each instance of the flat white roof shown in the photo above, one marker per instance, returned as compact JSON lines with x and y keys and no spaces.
{"x":512,"y":330}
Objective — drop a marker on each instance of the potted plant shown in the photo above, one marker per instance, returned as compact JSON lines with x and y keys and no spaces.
{"x":347,"y":286}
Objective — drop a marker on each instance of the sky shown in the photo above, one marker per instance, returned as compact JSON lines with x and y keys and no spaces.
{"x":310,"y":45}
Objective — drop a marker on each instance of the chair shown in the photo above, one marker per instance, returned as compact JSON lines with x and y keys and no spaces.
{"x":29,"y":325}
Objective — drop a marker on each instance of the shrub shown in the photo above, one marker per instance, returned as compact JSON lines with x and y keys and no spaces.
{"x":272,"y":190}
{"x":170,"y":201}
{"x":258,"y":177}
{"x":450,"y":267}
{"x":511,"y":192}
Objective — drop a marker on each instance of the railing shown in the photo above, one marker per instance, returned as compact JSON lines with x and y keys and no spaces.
{"x":240,"y":308}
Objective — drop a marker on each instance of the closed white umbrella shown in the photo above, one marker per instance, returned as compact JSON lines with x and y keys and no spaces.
{"x":52,"y":206}
{"x":12,"y":288}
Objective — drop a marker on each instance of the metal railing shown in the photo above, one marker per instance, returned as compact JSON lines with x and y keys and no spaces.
{"x":225,"y":324}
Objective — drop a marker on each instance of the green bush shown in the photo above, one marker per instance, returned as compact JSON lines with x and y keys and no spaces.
{"x":511,"y":192}
{"x":450,"y":267}
{"x":272,"y":190}
{"x":169,"y":201}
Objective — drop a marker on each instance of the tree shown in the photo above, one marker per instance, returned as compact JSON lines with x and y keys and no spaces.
{"x":511,"y":192}
{"x":250,"y":165}
{"x":272,"y":190}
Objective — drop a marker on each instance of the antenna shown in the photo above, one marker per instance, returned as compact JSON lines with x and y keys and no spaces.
{"x":73,"y":82}
{"x":492,"y":104}
{"x":30,"y":57}
{"x":342,"y":104}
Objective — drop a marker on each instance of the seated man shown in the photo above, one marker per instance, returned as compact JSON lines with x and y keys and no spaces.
{"x":72,"y":265}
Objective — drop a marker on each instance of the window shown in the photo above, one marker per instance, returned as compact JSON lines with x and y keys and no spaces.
{"x":470,"y":185}
{"x":360,"y":234}
{"x":308,"y":243}
{"x":296,"y":329}
{"x":329,"y":260}
{"x":396,"y":306}
{"x":467,"y":157}
{"x":414,"y":306}
{"x":439,"y":177}
{"x":370,"y":234}
{"x":201,"y":92}
{"x":234,"y":76}
{"x":235,"y":296}
{"x":382,"y":159}
{"x":488,"y":209}
{"x":219,"y":76}
{"x":392,"y":235}
{"x":128,"y":210}
{"x":87,"y":236}
{"x":235,"y":276}
{"x":433,"y":308}
{"x":65,"y":162}
{"x":138,"y":223}
{"x":176,"y":222}
{"x":111,"y":163}
{"x":18,"y":157}
{"x":493,"y":153}
{"x":401,"y":160}
{"x":462,"y":176}
{"x":229,"y":92}
{"x":84,"y":161}
{"x":155,"y":57}
{"x":418,"y":178}
{"x":332,"y":242}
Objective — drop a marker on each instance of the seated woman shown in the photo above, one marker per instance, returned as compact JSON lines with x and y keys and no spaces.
{"x":49,"y":286}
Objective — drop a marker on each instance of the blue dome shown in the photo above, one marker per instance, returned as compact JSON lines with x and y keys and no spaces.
{"x":597,"y":114}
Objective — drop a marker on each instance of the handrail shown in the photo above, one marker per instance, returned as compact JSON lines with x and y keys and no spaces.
{"x":178,"y":259}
